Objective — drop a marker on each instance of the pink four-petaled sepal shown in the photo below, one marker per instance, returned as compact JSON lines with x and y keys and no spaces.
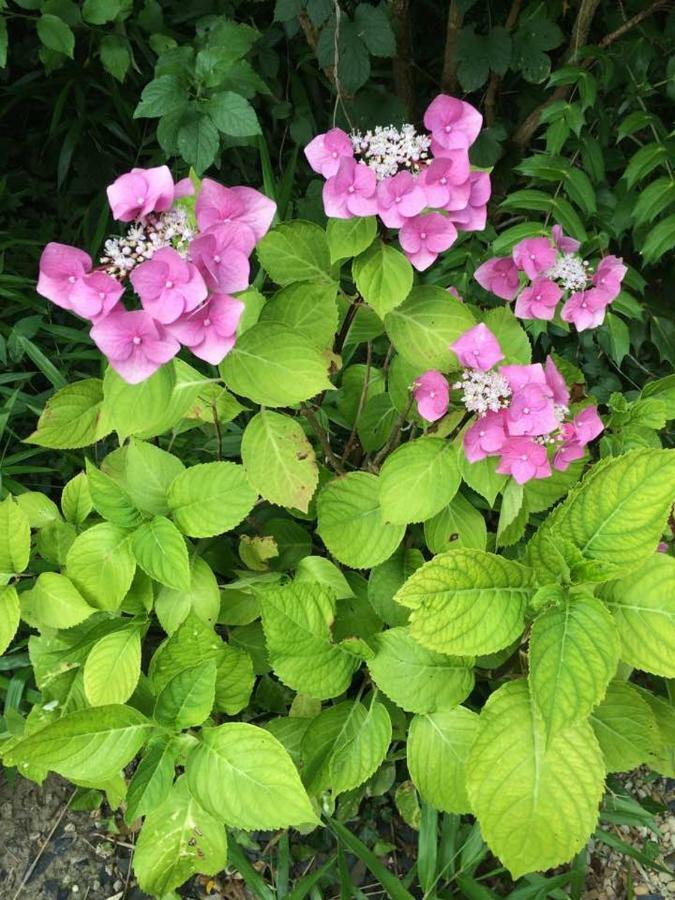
{"x":534,"y":256}
{"x":478,"y":348}
{"x":499,"y":276}
{"x":538,"y":300}
{"x":431,"y":393}
{"x":352,"y":191}
{"x":424,"y":237}
{"x":608,"y":277}
{"x":62,"y":267}
{"x":524,"y":459}
{"x":135,"y":344}
{"x":221,"y":261}
{"x":244,"y":206}
{"x":556,"y":382}
{"x":486,"y":436}
{"x":563,"y":242}
{"x":210,"y":332}
{"x":168,"y":285}
{"x":95,"y":295}
{"x":137,"y":193}
{"x":399,"y":198}
{"x":453,"y":123}
{"x":585,"y":309}
{"x":325,"y":151}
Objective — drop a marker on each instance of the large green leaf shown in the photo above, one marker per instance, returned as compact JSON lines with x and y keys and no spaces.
{"x":54,"y":602}
{"x":113,"y":667}
{"x":10,"y":612}
{"x":626,"y":728}
{"x":101,"y":565}
{"x":234,"y":680}
{"x":418,"y":480}
{"x":148,"y":473}
{"x":643,"y":605}
{"x":662,"y":756}
{"x":536,"y":802}
{"x":386,"y":579}
{"x":574,"y":652}
{"x":307,"y":308}
{"x":274,"y":366}
{"x":193,"y":642}
{"x":187,"y":699}
{"x":297,"y":251}
{"x":178,"y":838}
{"x":161,"y":552}
{"x":202,"y":597}
{"x":89,"y":745}
{"x":279,"y":460}
{"x":460,"y":524}
{"x":437,"y":749}
{"x":483,"y":477}
{"x":76,"y":499}
{"x":344,"y":745}
{"x":137,"y":408}
{"x":383,"y":277}
{"x":243,"y":776}
{"x":297,"y":620}
{"x":152,"y":780}
{"x":417,"y":679}
{"x":351,"y":523}
{"x":72,"y":417}
{"x":110,"y":499}
{"x":14,"y":537}
{"x":210,"y":498}
{"x":349,"y":237}
{"x":425,"y":325}
{"x":610,"y":523}
{"x":467,"y":602}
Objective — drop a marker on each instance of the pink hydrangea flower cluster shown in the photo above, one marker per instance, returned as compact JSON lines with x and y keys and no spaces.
{"x":184,"y":277}
{"x":420,"y":184}
{"x":541,"y":272}
{"x":522,"y":410}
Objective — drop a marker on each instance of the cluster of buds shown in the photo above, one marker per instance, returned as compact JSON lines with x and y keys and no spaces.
{"x":522,"y":411}
{"x":183,"y":273}
{"x":542,"y":272}
{"x":420,"y":184}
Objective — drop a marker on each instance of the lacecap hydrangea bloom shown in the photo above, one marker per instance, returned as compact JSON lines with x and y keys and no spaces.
{"x":419,"y":183}
{"x":183,"y":268}
{"x":522,"y":411}
{"x":541,"y":272}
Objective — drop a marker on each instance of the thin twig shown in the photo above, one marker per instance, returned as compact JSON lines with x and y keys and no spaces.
{"x":449,"y":77}
{"x":495,"y":79}
{"x":362,"y":402}
{"x":524,"y":133}
{"x":404,"y":81}
{"x":31,"y":868}
{"x":323,"y":439}
{"x":219,"y":433}
{"x":346,"y":325}
{"x":395,"y":436}
{"x":129,"y":870}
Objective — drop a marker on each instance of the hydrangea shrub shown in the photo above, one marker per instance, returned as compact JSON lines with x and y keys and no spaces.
{"x":340,"y":516}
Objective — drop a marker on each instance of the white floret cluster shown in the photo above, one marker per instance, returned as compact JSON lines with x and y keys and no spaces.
{"x":389,"y":150}
{"x":483,"y":392}
{"x":143,"y":239}
{"x":570,"y":271}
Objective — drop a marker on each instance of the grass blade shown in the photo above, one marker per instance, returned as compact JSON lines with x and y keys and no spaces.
{"x":389,"y":881}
